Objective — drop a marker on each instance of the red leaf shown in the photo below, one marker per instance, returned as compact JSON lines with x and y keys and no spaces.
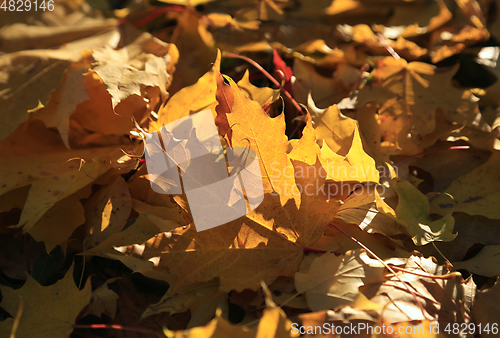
{"x":225,"y":97}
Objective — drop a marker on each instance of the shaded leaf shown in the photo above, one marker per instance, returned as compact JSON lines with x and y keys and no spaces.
{"x":47,"y":311}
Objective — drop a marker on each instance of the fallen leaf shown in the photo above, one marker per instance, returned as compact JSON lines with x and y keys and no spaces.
{"x":68,"y":211}
{"x":325,"y":91}
{"x":485,"y":263}
{"x":407,"y":113}
{"x":273,"y":323}
{"x":46,"y":310}
{"x":332,"y":127}
{"x":107,"y":211}
{"x":264,"y":96}
{"x":52,"y":28}
{"x":196,"y":48}
{"x":413,"y":211}
{"x":485,"y":308}
{"x":103,"y":301}
{"x":182,"y":300}
{"x":449,"y":42}
{"x":63,"y":102}
{"x":127,"y":71}
{"x":190,"y":100}
{"x":333,"y":281}
{"x":476,"y":193}
{"x":29,"y":76}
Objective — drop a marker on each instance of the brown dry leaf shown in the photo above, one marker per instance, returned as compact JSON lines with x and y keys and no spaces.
{"x":46,"y":192}
{"x":239,"y":22}
{"x":233,"y":251}
{"x":138,"y":232}
{"x":166,"y":217}
{"x":144,"y":68}
{"x":197,"y":257}
{"x":364,"y":35}
{"x":264,"y":96}
{"x":107,"y":211}
{"x":133,"y":300}
{"x":201,"y":299}
{"x":389,"y":300}
{"x":340,"y":6}
{"x":335,"y":241}
{"x":28,"y":77}
{"x":477,"y":192}
{"x":273,"y":323}
{"x":486,"y":307}
{"x":333,"y":281}
{"x":408,"y":96}
{"x":183,"y":299}
{"x":50,"y":28}
{"x":360,"y":208}
{"x":472,"y":231}
{"x":436,"y":296}
{"x":16,"y":256}
{"x":140,"y":189}
{"x":103,"y":301}
{"x":289,"y":178}
{"x":472,"y":10}
{"x":142,"y":231}
{"x":240,"y":255}
{"x":63,"y":101}
{"x":420,"y":18}
{"x":408,"y":49}
{"x":485,"y":263}
{"x":47,"y":311}
{"x":204,"y":310}
{"x":444,"y":166}
{"x":191,"y":99}
{"x":451,"y":41}
{"x":332,"y":127}
{"x":225,"y":99}
{"x":325,"y":91}
{"x":58,"y":223}
{"x":220,"y":327}
{"x":196,"y":48}
{"x":52,"y":209}
{"x":127,"y":71}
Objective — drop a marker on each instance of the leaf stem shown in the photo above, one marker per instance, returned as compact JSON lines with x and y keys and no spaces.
{"x":442,"y":255}
{"x":384,"y":44}
{"x":269,"y":76}
{"x":445,"y":277}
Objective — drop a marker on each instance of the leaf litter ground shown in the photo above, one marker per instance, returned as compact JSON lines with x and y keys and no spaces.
{"x":375,"y":126}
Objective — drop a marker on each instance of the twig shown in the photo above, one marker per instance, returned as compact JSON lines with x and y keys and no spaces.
{"x":269,"y":76}
{"x":448,"y":276}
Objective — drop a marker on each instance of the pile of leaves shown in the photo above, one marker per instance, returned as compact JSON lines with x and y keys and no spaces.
{"x":386,"y":109}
